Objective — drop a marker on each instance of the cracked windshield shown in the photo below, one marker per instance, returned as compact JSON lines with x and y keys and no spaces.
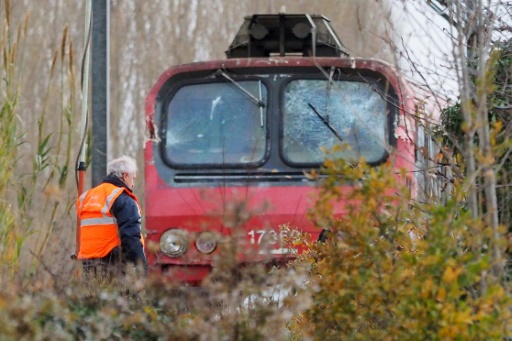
{"x":348,"y":113}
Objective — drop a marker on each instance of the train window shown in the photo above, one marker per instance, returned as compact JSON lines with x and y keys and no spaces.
{"x":217,"y":124}
{"x":319,"y":113}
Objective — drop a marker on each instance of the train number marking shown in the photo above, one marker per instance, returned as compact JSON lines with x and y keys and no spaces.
{"x":271,"y":236}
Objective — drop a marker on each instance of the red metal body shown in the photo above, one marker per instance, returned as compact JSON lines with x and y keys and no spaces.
{"x":248,"y":212}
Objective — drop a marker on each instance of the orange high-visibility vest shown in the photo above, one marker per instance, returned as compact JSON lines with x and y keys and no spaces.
{"x":98,"y":227}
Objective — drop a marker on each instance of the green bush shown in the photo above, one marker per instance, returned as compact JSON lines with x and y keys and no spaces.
{"x":393,"y":271}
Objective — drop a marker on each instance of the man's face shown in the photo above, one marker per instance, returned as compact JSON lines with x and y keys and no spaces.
{"x":129,"y":180}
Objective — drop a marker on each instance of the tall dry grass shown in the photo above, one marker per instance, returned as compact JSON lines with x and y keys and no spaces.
{"x":36,"y":155}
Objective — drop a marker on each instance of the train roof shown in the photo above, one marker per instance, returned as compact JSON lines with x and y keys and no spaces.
{"x":266,"y":35}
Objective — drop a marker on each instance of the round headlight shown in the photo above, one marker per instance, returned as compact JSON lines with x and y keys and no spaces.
{"x":206,"y":242}
{"x":174,"y":243}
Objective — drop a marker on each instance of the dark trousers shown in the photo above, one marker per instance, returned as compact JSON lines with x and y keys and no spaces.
{"x":104,"y":268}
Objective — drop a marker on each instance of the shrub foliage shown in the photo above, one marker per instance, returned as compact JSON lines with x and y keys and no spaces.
{"x":395,"y":271}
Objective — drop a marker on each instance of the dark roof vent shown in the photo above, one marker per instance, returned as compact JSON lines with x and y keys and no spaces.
{"x":265,"y":35}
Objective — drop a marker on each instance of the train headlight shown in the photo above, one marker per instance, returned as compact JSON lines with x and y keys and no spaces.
{"x":174,"y":243}
{"x":206,"y":242}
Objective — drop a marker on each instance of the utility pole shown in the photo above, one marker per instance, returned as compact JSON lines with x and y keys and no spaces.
{"x":100,"y":84}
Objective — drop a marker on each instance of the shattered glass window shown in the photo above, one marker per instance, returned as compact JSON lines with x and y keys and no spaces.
{"x":217,"y":123}
{"x":321,"y":114}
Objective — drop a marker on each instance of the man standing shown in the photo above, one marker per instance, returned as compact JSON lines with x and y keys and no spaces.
{"x":110,"y":221}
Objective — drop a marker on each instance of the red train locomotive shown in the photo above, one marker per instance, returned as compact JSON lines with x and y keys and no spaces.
{"x":240,"y":134}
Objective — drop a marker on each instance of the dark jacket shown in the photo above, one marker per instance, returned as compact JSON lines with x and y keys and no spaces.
{"x":128,"y":216}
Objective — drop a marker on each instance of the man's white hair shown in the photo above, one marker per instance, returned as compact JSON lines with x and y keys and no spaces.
{"x":123,"y":164}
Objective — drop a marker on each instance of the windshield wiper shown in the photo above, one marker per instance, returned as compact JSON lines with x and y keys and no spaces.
{"x":257,"y":101}
{"x":326,"y":122}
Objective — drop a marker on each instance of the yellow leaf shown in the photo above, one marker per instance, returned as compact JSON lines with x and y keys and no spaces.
{"x":426,"y":289}
{"x":465,"y":316}
{"x":450,"y":275}
{"x":329,"y":163}
{"x":406,"y":274}
{"x":441,"y":295}
{"x":439,"y":157}
{"x":449,"y":332}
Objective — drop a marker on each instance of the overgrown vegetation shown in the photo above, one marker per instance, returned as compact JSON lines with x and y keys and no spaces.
{"x":391,"y":269}
{"x":396,"y":272}
{"x":34,"y":155}
{"x":10,"y":236}
{"x":498,"y":111}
